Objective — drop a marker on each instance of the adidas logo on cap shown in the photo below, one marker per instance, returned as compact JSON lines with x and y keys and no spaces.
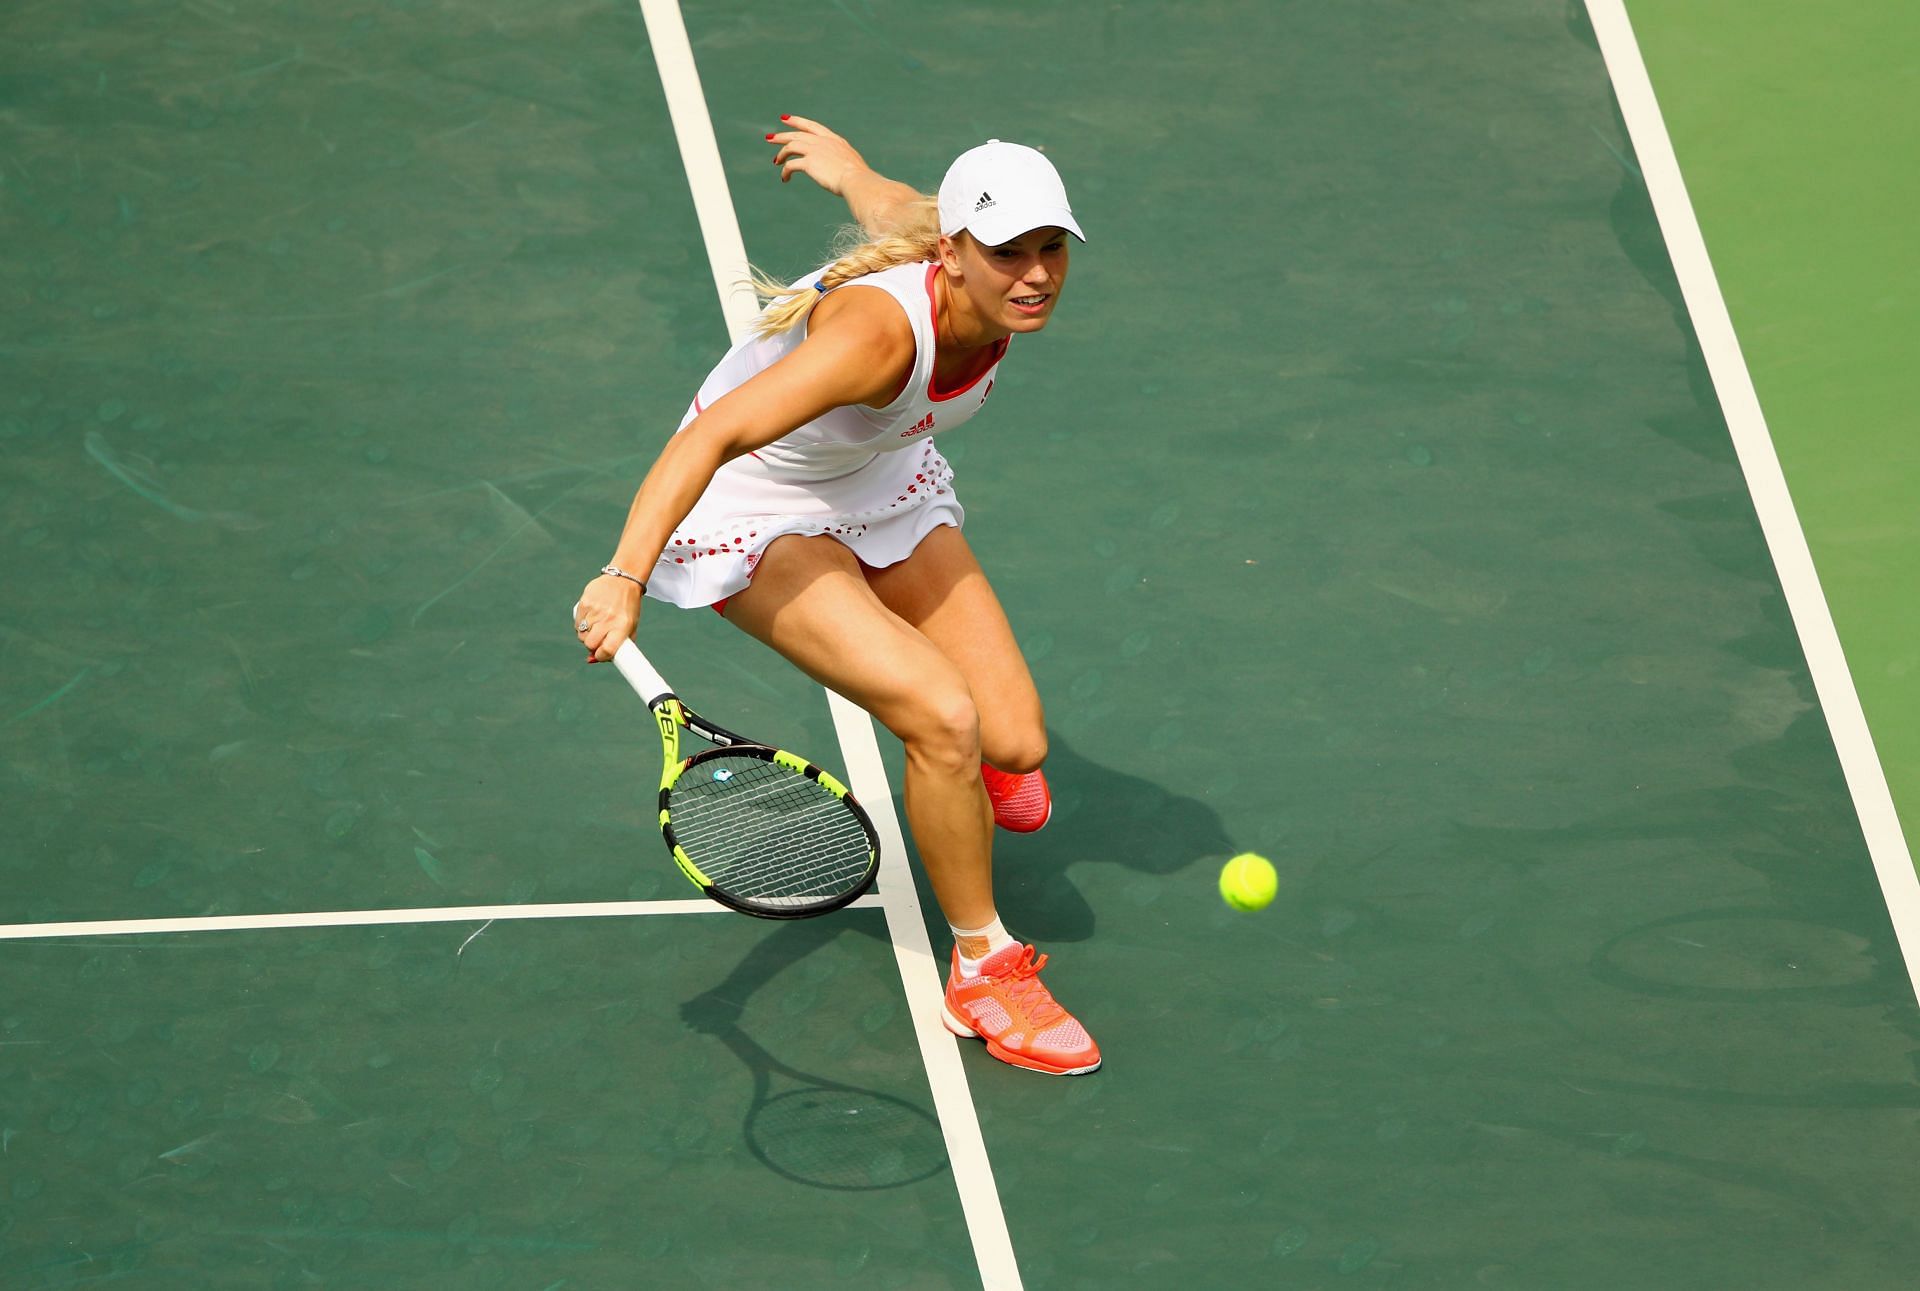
{"x":997,"y":191}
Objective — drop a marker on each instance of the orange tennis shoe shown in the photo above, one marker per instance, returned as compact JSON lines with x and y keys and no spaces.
{"x":1018,"y":1017}
{"x":1021,"y":803}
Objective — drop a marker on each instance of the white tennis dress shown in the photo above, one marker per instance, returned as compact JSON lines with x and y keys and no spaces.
{"x":870,"y":477}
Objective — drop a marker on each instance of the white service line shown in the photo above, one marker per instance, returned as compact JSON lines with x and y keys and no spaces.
{"x":1792,"y":561}
{"x":920,"y":976}
{"x":364,"y":918}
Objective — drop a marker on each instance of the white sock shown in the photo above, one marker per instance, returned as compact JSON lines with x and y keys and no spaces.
{"x":997,"y":938}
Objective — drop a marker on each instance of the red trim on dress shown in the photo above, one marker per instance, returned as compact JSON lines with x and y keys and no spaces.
{"x":933,"y":374}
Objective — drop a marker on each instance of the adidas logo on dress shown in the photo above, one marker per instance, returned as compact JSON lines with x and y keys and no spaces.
{"x":925,"y":423}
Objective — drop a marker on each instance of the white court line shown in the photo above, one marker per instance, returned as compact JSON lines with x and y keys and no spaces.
{"x":1867,"y":782}
{"x":365,"y":918}
{"x":919,"y":974}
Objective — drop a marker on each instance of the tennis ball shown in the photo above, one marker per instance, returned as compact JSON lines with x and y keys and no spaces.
{"x":1247,"y":882}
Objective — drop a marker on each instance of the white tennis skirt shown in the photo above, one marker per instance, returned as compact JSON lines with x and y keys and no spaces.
{"x":880,"y":511}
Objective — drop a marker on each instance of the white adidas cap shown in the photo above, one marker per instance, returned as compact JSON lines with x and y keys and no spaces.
{"x":1000,"y":190}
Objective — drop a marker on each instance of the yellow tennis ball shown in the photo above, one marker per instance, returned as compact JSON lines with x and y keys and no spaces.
{"x":1247,"y":882}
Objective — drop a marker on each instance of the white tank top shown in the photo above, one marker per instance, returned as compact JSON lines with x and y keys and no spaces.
{"x":845,"y":439}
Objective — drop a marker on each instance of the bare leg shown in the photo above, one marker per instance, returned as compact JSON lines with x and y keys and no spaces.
{"x":942,"y":591}
{"x":810,"y":601}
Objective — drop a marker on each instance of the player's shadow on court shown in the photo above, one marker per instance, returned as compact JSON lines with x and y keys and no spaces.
{"x":1101,"y":817}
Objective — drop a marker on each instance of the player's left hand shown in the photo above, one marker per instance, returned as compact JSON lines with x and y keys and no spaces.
{"x":808,"y":148}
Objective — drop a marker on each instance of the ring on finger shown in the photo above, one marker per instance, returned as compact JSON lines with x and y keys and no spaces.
{"x":582,"y":625}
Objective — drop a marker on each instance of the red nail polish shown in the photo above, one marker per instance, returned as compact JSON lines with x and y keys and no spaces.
{"x":785,"y":117}
{"x":769,"y":138}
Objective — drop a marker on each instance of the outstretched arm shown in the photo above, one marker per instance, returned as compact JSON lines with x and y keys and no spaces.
{"x":809,"y":148}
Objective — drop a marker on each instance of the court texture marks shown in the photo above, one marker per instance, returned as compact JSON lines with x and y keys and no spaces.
{"x":1389,"y":497}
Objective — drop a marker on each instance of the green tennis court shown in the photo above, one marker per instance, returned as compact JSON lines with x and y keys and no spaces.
{"x":1390,"y":497}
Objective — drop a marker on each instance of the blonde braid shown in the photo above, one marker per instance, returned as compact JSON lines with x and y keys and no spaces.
{"x":915,"y":237}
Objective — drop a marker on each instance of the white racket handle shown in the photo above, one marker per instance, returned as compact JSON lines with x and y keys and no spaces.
{"x":640,"y":674}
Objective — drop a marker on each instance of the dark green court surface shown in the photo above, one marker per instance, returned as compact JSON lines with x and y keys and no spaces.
{"x":391,"y":1107}
{"x":1367,"y":506}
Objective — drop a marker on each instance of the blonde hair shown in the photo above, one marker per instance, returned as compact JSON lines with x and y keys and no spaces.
{"x":913,"y":236}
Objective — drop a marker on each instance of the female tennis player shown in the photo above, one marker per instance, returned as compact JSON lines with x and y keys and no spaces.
{"x":804,"y":499}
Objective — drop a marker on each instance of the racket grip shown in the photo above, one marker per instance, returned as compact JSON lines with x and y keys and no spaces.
{"x":640,"y":674}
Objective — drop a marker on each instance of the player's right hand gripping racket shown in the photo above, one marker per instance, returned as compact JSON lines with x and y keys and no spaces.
{"x":758,"y":829}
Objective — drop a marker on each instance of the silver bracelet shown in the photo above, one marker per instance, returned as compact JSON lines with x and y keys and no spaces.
{"x":618,"y":572}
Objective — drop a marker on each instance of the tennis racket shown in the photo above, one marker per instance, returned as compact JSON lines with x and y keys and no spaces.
{"x":756,"y":828}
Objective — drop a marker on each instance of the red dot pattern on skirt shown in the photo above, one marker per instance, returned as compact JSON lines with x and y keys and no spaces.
{"x":696,"y":547}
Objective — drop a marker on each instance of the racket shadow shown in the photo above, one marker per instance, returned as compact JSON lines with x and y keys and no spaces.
{"x":822,"y":1132}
